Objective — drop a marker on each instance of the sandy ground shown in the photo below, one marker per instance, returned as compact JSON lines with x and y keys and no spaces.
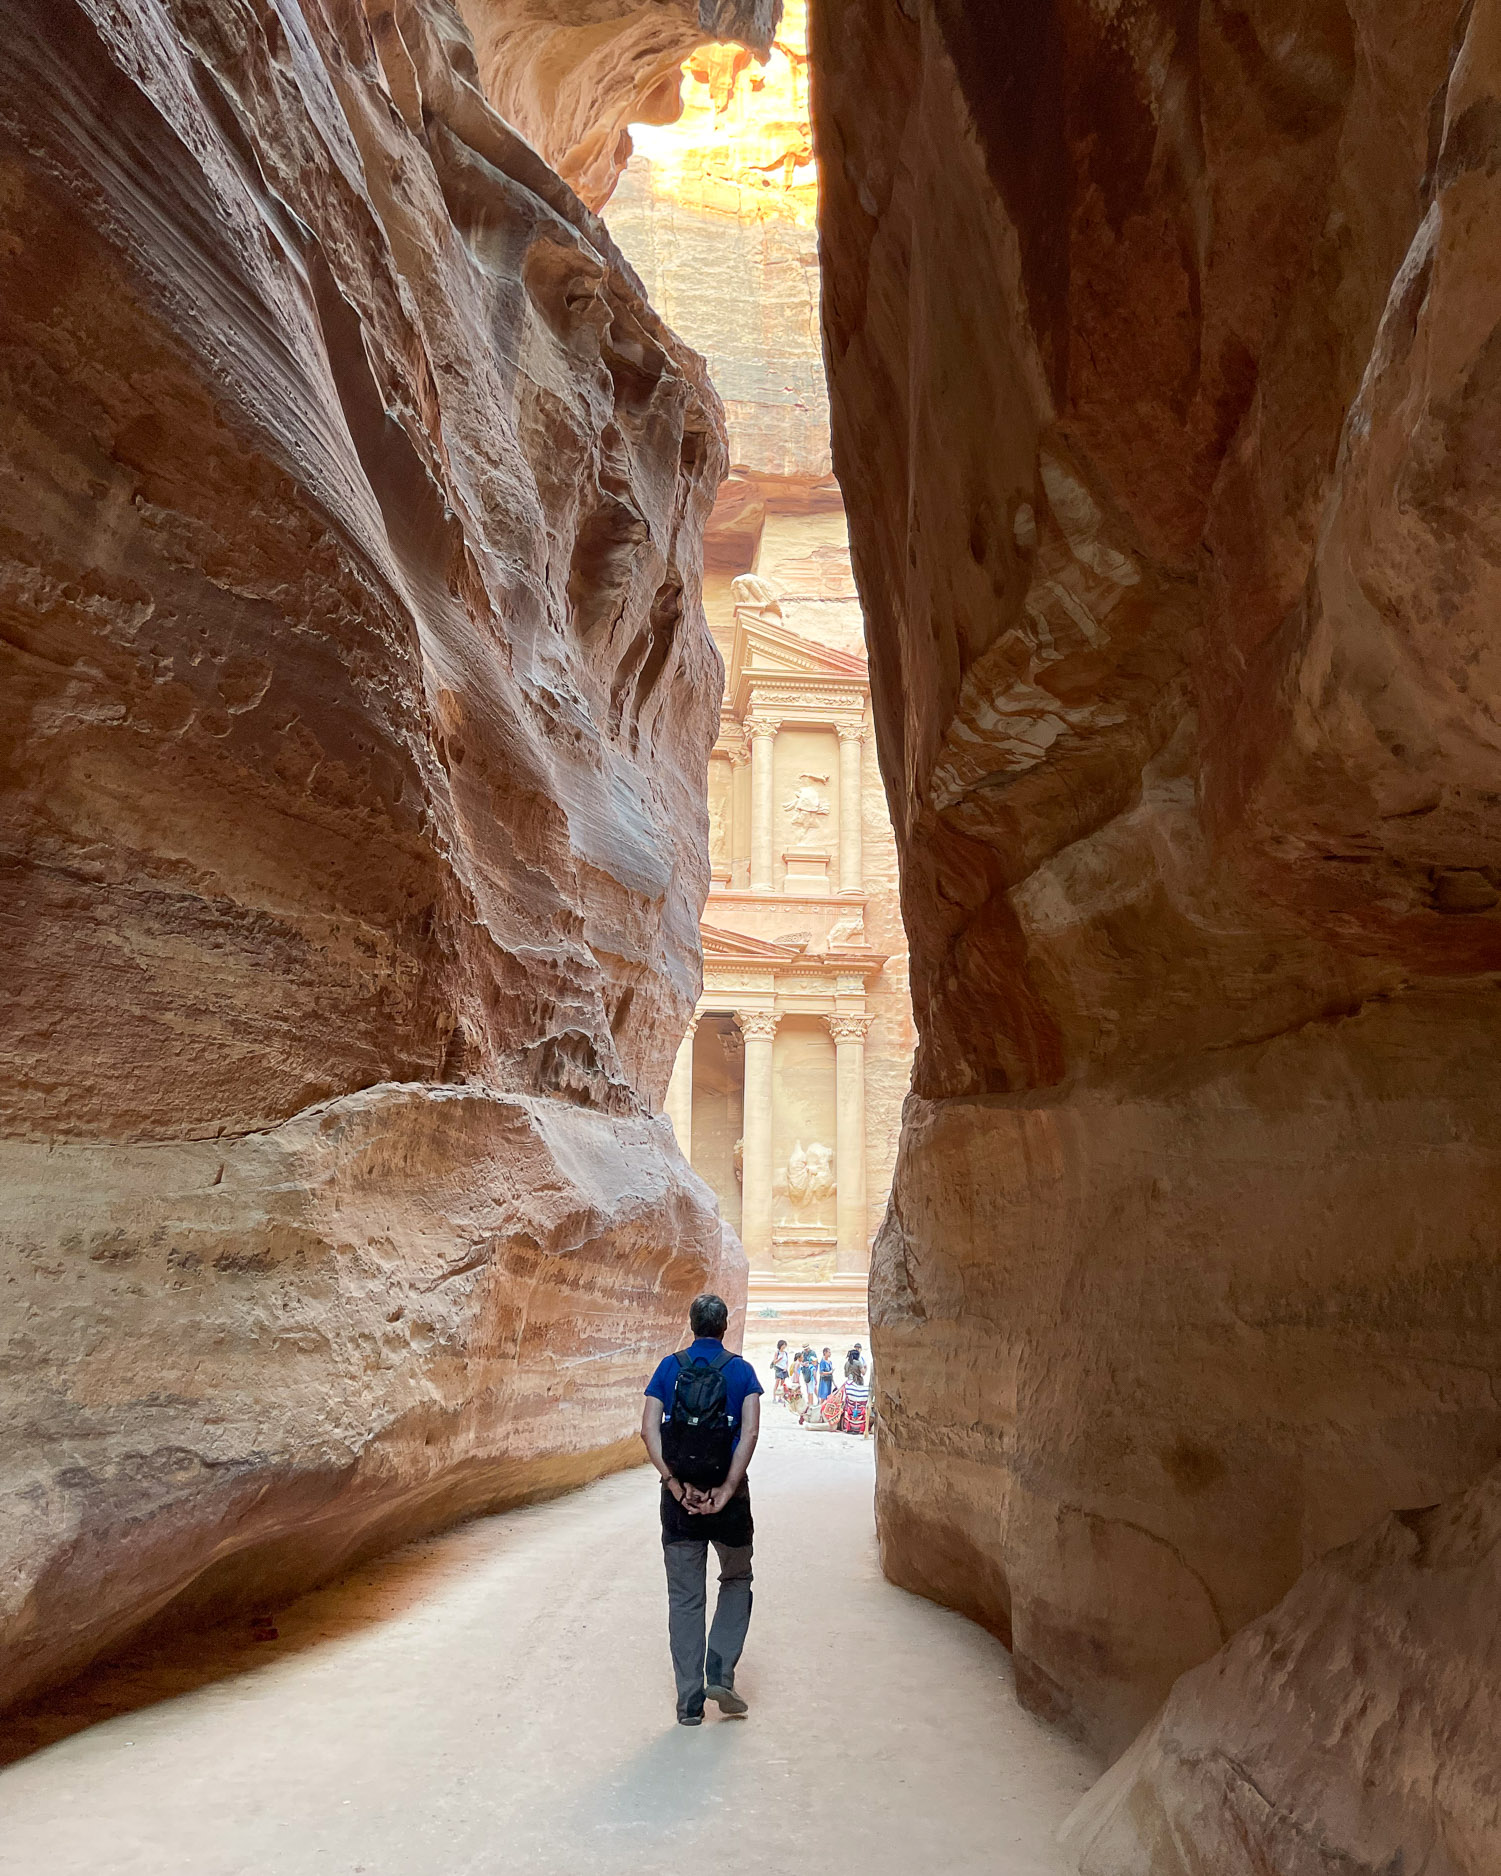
{"x":500,"y":1700}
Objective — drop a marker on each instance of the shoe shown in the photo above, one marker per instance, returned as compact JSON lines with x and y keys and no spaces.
{"x":690,"y":1719}
{"x":730,"y":1703}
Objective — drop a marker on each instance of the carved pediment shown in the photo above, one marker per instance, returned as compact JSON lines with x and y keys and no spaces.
{"x":734,"y":946}
{"x":765,"y":653}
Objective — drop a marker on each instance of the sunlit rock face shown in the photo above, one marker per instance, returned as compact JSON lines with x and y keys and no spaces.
{"x":356,"y":710}
{"x":717,"y":211}
{"x":571,"y":75}
{"x":1166,"y":385}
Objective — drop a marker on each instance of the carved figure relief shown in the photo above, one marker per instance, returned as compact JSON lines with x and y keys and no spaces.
{"x":806,"y":807}
{"x":810,"y":1174}
{"x":847,"y":931}
{"x":719,"y":835}
{"x":751,"y":589}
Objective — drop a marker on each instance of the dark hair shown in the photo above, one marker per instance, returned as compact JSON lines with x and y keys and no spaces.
{"x":708,"y":1315}
{"x":782,"y":1343}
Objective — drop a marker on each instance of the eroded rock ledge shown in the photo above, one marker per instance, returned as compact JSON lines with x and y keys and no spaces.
{"x":357,"y":704}
{"x":1165,"y":357}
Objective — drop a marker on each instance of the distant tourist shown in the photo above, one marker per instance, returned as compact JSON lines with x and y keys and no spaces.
{"x":807,"y":1374}
{"x":781,"y":1364}
{"x":826,"y":1375}
{"x":699,"y":1424}
{"x":855,"y":1417}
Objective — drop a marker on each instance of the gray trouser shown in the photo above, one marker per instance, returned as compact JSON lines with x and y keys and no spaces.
{"x":687,"y":1565}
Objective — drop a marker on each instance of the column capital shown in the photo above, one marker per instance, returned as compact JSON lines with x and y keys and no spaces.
{"x":736,"y":753}
{"x":758,"y":1023}
{"x":692,"y":1027}
{"x":759,"y":724}
{"x":848,"y":1028}
{"x":850,"y":732}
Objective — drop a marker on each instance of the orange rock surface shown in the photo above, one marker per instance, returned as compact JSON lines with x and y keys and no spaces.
{"x":1165,"y":367}
{"x":356,"y":709}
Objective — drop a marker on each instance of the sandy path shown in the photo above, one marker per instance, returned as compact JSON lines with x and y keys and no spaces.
{"x":500,"y":1700}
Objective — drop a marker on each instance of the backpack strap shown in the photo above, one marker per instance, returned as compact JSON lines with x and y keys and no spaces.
{"x":685,"y":1358}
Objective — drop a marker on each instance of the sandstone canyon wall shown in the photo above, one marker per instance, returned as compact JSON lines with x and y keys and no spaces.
{"x":1165,"y":366}
{"x":572,"y":75}
{"x":357,"y":702}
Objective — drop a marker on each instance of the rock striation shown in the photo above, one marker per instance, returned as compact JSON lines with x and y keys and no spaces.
{"x":1165,"y":374}
{"x":356,"y":712}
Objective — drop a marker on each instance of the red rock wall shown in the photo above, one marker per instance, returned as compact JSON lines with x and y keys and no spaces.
{"x":1165,"y":360}
{"x":356,"y":710}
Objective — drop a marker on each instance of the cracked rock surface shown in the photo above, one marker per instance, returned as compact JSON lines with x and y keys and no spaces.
{"x":356,"y":709}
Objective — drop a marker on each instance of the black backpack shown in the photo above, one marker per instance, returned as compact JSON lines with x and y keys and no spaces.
{"x":698,"y":1441}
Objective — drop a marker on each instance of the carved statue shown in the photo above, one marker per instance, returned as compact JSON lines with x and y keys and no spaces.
{"x":753,"y":589}
{"x":847,"y":931}
{"x":719,"y":845}
{"x":810,"y":1173}
{"x":805,"y":806}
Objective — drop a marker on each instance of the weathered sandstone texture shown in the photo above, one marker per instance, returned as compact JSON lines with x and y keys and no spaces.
{"x":356,"y":708}
{"x":1351,"y":1732}
{"x":1165,"y":356}
{"x":572,"y":75}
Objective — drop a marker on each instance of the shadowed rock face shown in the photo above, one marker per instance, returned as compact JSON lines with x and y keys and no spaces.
{"x":356,"y":710}
{"x":1350,"y":1732}
{"x":1165,"y":354}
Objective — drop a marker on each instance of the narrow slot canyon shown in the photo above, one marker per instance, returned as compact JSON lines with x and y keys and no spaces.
{"x":839,"y":654}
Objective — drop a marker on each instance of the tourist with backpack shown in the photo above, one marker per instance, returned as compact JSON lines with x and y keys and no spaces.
{"x":699,"y":1425}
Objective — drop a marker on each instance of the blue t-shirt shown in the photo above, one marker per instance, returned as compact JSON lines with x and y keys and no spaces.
{"x":739,"y":1380}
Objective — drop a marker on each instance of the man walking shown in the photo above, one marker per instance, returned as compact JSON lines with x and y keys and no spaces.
{"x":700,"y":1421}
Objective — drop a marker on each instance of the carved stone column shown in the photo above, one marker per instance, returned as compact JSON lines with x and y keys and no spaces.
{"x":680,"y":1092}
{"x":853,"y":1251}
{"x":851,"y":858}
{"x":762,"y":732}
{"x":739,"y":754}
{"x":759,"y":1027}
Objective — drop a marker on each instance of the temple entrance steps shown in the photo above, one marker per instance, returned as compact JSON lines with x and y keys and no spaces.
{"x":784,"y":1306}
